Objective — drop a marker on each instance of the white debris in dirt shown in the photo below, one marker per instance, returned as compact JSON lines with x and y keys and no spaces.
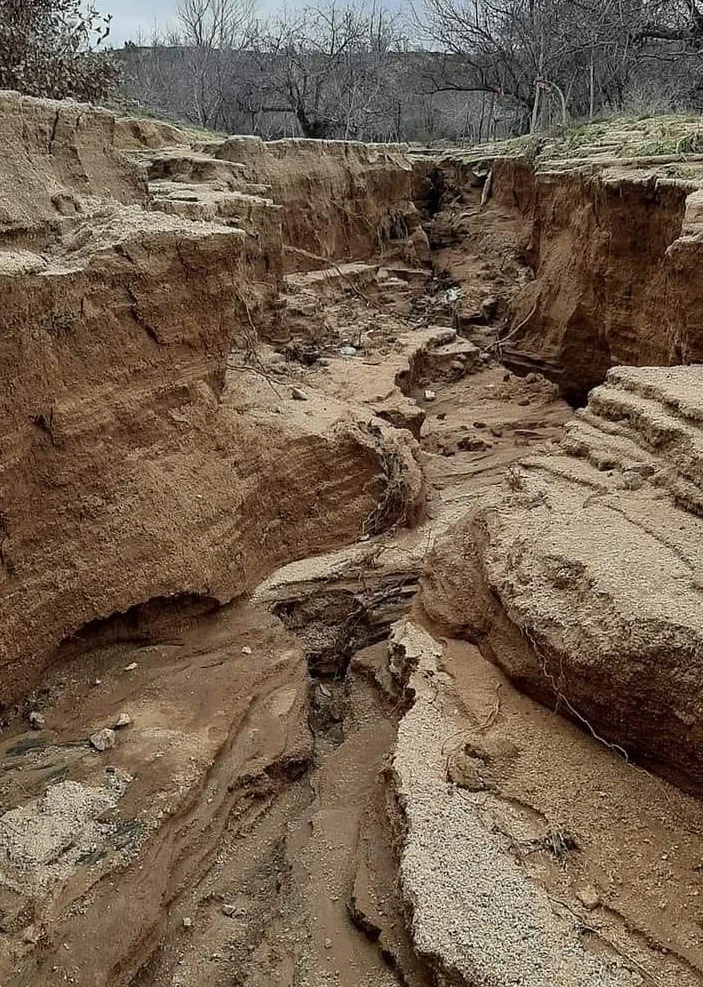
{"x":36,"y":720}
{"x":103,"y":740}
{"x":347,"y":351}
{"x":430,"y":395}
{"x":588,"y":897}
{"x":187,"y":922}
{"x":31,"y":934}
{"x":246,"y":650}
{"x":123,"y":720}
{"x":42,"y":842}
{"x":130,"y":668}
{"x":473,"y":907}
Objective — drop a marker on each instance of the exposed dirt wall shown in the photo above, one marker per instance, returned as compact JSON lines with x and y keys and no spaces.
{"x":606,"y":290}
{"x":55,"y":159}
{"x":143,"y":456}
{"x":612,"y":255}
{"x":340,"y":200}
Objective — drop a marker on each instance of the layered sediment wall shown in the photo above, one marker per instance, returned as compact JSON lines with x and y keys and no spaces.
{"x":610,"y":246}
{"x":144,"y":456}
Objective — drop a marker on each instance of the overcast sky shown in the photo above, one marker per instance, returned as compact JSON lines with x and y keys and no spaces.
{"x":131,"y":16}
{"x":128,"y":16}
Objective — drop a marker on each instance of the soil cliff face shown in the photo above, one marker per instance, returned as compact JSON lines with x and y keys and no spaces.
{"x":608,"y":257}
{"x":57,"y":161}
{"x":581,"y":578}
{"x":610,"y":246}
{"x":340,"y":200}
{"x":135,"y":465}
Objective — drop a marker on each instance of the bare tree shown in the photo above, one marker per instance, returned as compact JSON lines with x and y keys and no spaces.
{"x":551,"y":60}
{"x":211,"y":33}
{"x":473,"y":69}
{"x":329,"y":67}
{"x":509,"y":49}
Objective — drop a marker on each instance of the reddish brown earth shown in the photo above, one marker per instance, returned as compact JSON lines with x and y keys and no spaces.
{"x":388,"y":646}
{"x":607,"y":244}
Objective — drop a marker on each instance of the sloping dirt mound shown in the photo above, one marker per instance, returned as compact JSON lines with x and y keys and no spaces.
{"x":582,"y":578}
{"x":529,"y":853}
{"x":98,"y":841}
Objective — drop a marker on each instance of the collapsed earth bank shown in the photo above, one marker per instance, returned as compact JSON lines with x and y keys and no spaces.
{"x":145,"y":456}
{"x":222,"y":777}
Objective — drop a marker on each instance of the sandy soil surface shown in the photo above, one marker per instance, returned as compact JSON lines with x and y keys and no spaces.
{"x":315,"y":785}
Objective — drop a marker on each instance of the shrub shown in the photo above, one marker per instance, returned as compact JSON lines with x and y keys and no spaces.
{"x":51,"y":48}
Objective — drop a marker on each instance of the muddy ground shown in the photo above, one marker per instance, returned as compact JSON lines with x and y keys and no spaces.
{"x":247,"y":824}
{"x":324,"y":781}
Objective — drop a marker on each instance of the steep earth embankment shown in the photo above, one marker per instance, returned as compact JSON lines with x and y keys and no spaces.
{"x":136,"y":466}
{"x":609,"y":235}
{"x":581,"y":580}
{"x":321,"y":783}
{"x":340,"y":200}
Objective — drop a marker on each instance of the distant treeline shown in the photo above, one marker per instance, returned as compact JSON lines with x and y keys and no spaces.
{"x":470,"y":70}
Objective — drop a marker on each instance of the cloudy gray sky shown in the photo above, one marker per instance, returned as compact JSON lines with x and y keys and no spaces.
{"x":131,"y":16}
{"x":128,"y":16}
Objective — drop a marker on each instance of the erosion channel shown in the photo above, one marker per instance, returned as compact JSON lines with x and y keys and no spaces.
{"x":351,"y":560}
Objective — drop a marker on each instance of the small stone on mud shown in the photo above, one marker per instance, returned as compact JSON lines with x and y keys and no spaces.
{"x":31,"y":934}
{"x":298,"y":394}
{"x":103,"y":740}
{"x":441,"y":416}
{"x":468,"y":772}
{"x":123,"y":720}
{"x":473,"y":443}
{"x":632,"y":480}
{"x":130,"y":668}
{"x":187,"y":923}
{"x":523,"y":402}
{"x":588,"y":897}
{"x":246,"y":650}
{"x":430,"y":395}
{"x":36,"y":720}
{"x":328,"y":944}
{"x":347,"y":351}
{"x":229,"y":910}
